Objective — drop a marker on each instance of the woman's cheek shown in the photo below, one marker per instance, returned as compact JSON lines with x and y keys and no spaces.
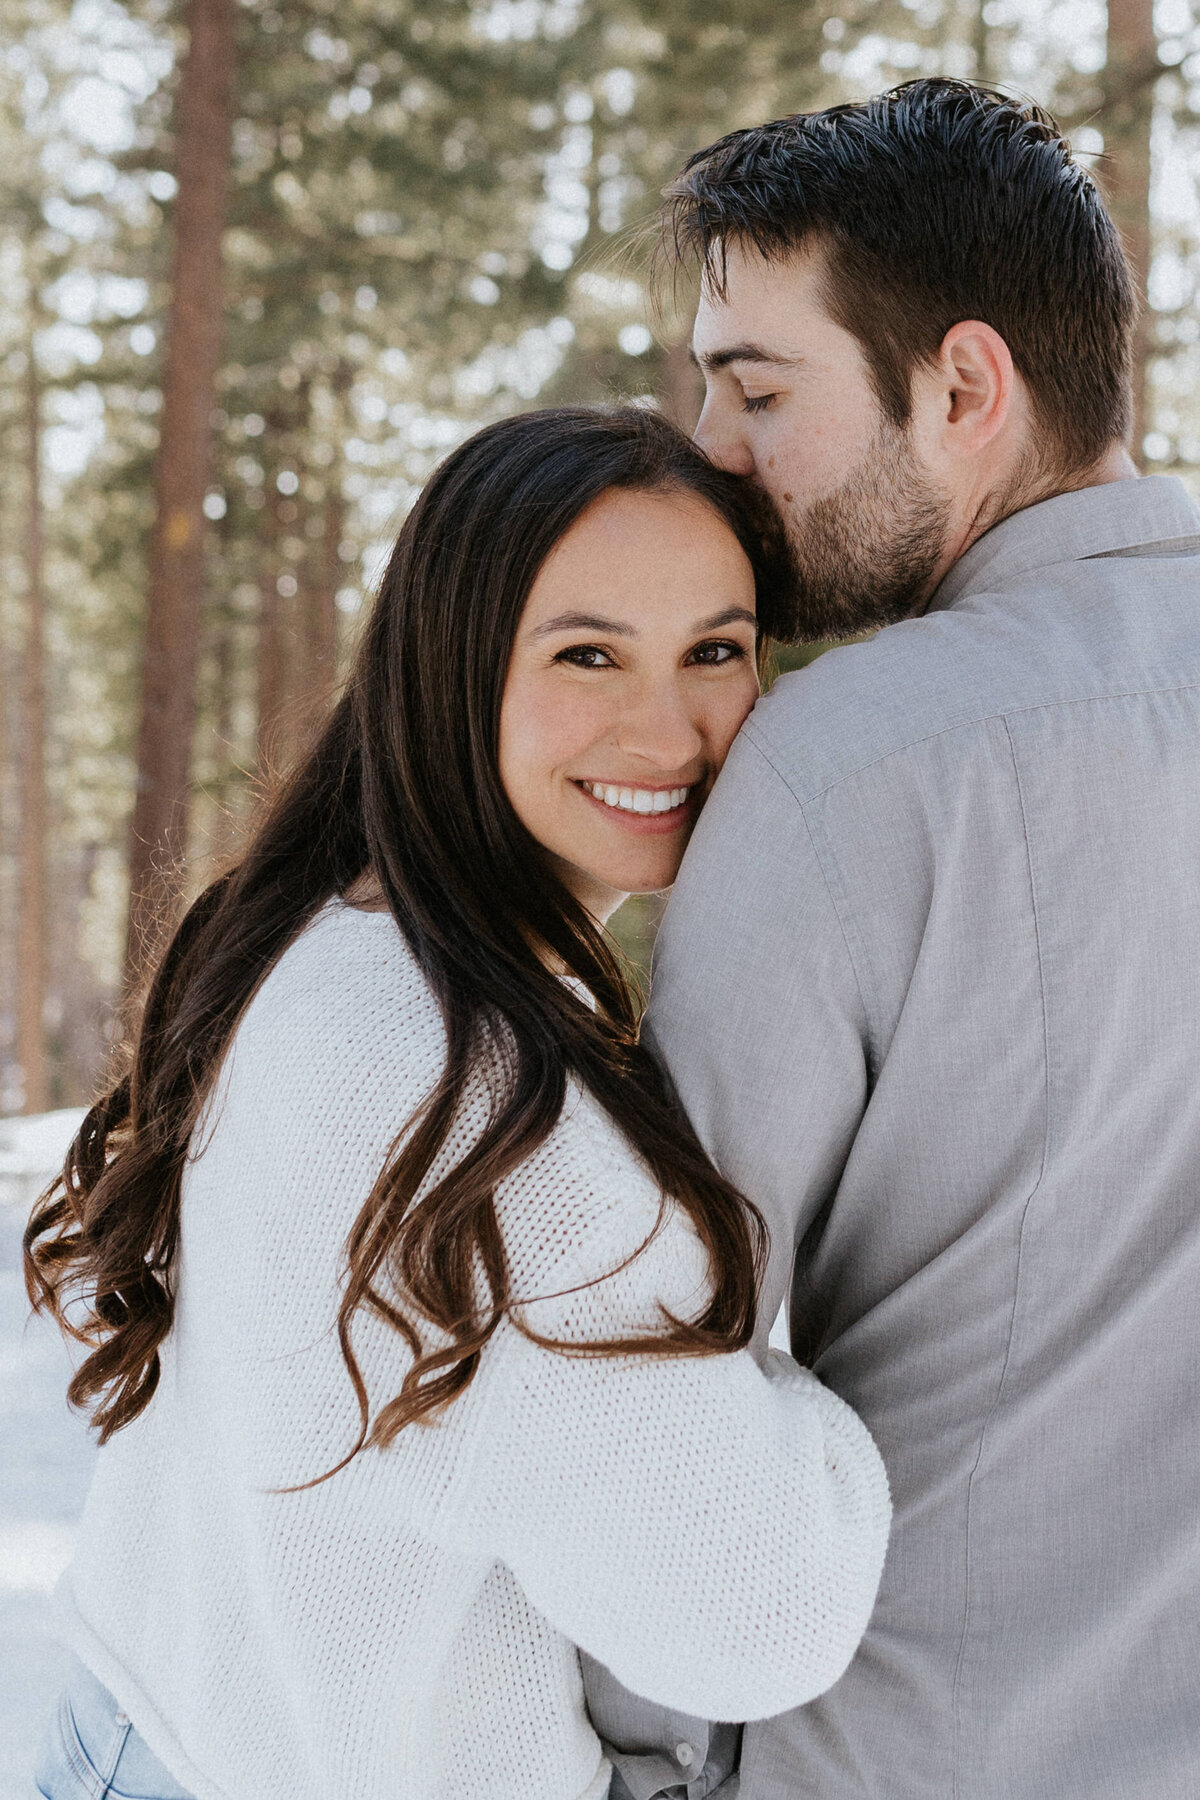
{"x":544,"y":728}
{"x":567,"y":722}
{"x":731,"y":717}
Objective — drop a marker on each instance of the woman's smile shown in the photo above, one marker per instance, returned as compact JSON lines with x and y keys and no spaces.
{"x":638,"y":808}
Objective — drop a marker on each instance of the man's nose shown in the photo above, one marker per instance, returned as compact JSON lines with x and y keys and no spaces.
{"x":719,"y":436}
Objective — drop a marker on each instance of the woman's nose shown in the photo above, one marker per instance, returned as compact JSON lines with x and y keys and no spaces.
{"x":719,"y":436}
{"x":659,"y":727}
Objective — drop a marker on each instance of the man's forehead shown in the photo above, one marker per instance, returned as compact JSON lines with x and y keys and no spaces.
{"x":770,"y":305}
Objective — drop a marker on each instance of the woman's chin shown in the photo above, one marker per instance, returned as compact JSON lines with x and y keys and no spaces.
{"x":624,"y":883}
{"x":601,"y":891}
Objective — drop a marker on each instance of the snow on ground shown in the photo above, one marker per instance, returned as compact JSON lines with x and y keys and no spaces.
{"x":45,"y":1462}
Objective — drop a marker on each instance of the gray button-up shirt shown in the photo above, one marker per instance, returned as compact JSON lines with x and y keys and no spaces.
{"x":930,"y":989}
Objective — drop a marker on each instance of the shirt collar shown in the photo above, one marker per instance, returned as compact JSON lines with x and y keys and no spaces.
{"x":1092,"y":521}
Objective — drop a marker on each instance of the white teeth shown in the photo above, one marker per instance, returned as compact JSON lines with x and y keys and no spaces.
{"x":637,"y":800}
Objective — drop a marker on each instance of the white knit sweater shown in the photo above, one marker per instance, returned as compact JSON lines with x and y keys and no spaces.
{"x":407,"y":1630}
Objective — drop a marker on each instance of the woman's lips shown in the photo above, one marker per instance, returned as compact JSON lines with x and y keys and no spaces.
{"x":673,"y":818}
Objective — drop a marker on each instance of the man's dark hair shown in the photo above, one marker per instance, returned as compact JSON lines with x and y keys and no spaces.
{"x":936,"y":202}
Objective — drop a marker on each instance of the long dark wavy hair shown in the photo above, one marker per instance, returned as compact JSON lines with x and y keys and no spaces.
{"x":403,"y":786}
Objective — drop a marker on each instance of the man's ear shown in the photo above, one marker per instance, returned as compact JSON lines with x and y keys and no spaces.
{"x":973,"y":382}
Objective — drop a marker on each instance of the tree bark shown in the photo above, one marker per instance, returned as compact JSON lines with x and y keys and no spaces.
{"x":82,"y":1038}
{"x":981,"y":44}
{"x":31,"y":906}
{"x":1128,"y":111}
{"x":270,"y":669}
{"x":682,"y":386}
{"x":321,"y":521}
{"x":225,"y":675}
{"x":325,"y":632}
{"x":319,"y":583}
{"x":176,"y":586}
{"x":332,"y":568}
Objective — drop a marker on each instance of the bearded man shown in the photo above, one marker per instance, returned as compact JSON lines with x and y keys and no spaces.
{"x":929,"y":985}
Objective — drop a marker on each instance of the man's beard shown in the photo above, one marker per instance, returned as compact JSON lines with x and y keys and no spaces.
{"x":865,"y":555}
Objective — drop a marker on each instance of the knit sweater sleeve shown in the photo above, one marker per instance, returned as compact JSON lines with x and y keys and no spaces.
{"x":712,"y":1532}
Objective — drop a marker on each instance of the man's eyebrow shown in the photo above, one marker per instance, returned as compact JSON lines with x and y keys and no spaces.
{"x":581,"y":621}
{"x":712,"y":360}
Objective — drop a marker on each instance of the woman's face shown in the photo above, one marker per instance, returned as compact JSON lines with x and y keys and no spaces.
{"x":632,"y":670}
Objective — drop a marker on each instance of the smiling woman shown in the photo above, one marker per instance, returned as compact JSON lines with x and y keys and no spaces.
{"x":632,"y":669}
{"x":391,"y":1157}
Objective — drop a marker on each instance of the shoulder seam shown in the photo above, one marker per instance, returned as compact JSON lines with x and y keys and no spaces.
{"x":1002,"y":714}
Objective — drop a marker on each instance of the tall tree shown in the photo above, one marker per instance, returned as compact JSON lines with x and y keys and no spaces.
{"x":31,"y":928}
{"x":1132,"y":69}
{"x":424,"y":201}
{"x":176,"y":581}
{"x":981,"y":47}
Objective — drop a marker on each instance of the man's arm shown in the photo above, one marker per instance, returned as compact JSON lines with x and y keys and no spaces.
{"x":756,"y":1009}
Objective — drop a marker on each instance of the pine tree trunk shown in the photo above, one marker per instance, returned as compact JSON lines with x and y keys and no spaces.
{"x":176,"y":585}
{"x":281,"y":670}
{"x":228,"y":637}
{"x":682,"y":387}
{"x":981,"y":43}
{"x":75,"y":991}
{"x":1129,"y":82}
{"x":325,"y":623}
{"x":316,"y":671}
{"x":31,"y":906}
{"x":332,"y":568}
{"x":225,"y":676}
{"x":322,"y":580}
{"x":315,"y":643}
{"x":270,"y":671}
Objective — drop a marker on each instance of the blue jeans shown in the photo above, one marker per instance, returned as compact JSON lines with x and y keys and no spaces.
{"x":92,"y":1752}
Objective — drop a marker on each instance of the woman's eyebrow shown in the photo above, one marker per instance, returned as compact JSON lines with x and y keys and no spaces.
{"x":580,"y":621}
{"x":732,"y":615}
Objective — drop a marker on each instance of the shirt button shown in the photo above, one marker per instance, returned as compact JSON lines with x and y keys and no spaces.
{"x":685,"y":1756}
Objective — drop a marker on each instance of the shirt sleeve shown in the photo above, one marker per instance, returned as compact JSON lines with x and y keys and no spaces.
{"x":756,"y":1010}
{"x":713,"y":1533}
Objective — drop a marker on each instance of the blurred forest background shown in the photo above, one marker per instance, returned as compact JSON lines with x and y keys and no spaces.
{"x":265,"y":261}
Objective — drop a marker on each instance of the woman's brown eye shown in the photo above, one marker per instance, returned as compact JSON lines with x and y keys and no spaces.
{"x":584,"y":656}
{"x":714,"y":655}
